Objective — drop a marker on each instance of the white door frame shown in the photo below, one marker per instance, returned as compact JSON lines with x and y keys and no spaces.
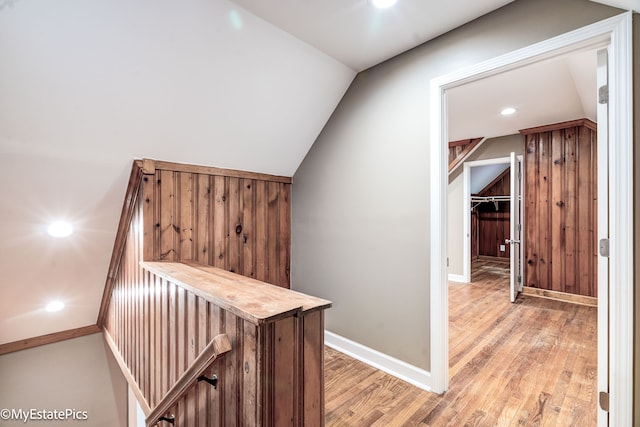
{"x":617,"y":32}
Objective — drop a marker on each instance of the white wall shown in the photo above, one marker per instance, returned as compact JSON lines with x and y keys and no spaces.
{"x":136,"y":417}
{"x":78,"y":374}
{"x":361,"y":196}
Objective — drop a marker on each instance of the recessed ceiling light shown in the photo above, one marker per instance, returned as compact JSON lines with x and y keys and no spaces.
{"x":54,"y":306}
{"x":383,"y":4}
{"x":508,"y":111}
{"x":60,"y":229}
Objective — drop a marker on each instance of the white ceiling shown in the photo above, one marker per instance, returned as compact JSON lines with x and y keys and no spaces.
{"x":86,"y":87}
{"x":552,"y":91}
{"x":359,"y":35}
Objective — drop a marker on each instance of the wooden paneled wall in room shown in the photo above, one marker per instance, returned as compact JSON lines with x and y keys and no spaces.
{"x":192,"y":226}
{"x":490,"y":226}
{"x":238,"y":221}
{"x":560,"y":207}
{"x":272,"y":375}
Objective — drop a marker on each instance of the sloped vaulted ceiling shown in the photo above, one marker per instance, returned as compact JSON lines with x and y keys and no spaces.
{"x":87,"y":86}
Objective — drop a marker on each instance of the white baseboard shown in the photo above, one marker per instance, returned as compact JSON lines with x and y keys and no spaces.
{"x":403,"y":370}
{"x":456,"y":278}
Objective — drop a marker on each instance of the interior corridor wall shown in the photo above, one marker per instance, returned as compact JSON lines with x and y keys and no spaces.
{"x":78,"y":374}
{"x":360,"y":202}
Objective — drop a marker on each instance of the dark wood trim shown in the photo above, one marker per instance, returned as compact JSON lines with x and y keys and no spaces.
{"x":128,"y":206}
{"x":464,"y":153}
{"x":209,"y":170}
{"x":48,"y":339}
{"x":562,"y":125}
{"x":460,"y":142}
{"x":560,"y":296}
{"x":219,"y":345}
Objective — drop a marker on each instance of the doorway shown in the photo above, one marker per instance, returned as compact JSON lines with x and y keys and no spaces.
{"x":615,"y":333}
{"x":489,"y":218}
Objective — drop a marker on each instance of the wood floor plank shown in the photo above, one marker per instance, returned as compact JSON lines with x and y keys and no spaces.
{"x":531,"y":363}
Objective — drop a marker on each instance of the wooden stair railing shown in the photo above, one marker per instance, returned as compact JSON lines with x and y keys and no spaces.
{"x":219,"y":346}
{"x":159,"y":311}
{"x":460,"y":150}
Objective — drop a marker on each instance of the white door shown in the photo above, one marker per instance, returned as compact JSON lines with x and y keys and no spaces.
{"x":603,"y":236}
{"x":515,"y":226}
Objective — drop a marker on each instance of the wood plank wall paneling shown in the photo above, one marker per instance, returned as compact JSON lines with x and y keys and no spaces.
{"x":560,"y":206}
{"x":182,"y":324}
{"x":259,"y":380}
{"x":239,"y":222}
{"x":242,"y":225}
{"x":490,"y":227}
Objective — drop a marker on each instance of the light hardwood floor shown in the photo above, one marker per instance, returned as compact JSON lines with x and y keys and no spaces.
{"x":532,"y":363}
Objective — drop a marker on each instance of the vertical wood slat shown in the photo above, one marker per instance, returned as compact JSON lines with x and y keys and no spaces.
{"x":285,"y":369}
{"x":159,"y":345}
{"x":216,"y":401}
{"x":530,"y":211}
{"x":313,"y":369}
{"x":186,"y":216}
{"x":248,"y":232}
{"x":284,"y":236}
{"x":234,"y":226}
{"x":571,"y":211}
{"x":191,"y":351}
{"x":181,"y":342}
{"x":232,"y":369}
{"x":202,"y":210}
{"x":273,"y":273}
{"x":587,"y":209}
{"x":220,"y":220}
{"x":261,"y":212}
{"x":164,"y":351}
{"x":151,"y":366}
{"x":249,"y":384}
{"x":168,"y":227}
{"x":185,"y":205}
{"x":203,"y":330}
{"x":544,"y":213}
{"x":558,"y":204}
{"x":560,"y":207}
{"x":140,"y":315}
{"x":147,"y":203}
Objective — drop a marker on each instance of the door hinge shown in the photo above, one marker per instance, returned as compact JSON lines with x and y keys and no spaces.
{"x":519,"y":279}
{"x":447,"y":261}
{"x":604,"y":247}
{"x":604,"y":401}
{"x":603,"y":94}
